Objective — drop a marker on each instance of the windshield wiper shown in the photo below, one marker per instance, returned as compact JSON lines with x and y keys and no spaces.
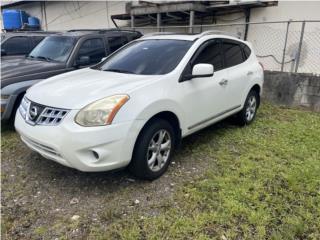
{"x":45,"y":58}
{"x":118,"y":70}
{"x":41,"y":57}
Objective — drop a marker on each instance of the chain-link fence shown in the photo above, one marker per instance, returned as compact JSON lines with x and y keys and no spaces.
{"x":290,"y":46}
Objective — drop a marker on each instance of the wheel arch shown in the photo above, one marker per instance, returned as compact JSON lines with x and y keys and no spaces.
{"x":257,"y":88}
{"x":169,"y":116}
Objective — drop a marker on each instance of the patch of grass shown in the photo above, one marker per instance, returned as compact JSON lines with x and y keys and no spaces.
{"x":9,"y":140}
{"x":40,"y":231}
{"x":264,"y":184}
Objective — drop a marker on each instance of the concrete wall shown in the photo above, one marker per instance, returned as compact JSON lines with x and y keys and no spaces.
{"x":292,"y":89}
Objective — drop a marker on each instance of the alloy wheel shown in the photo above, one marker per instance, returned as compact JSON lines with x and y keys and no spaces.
{"x":251,"y":108}
{"x":159,"y":150}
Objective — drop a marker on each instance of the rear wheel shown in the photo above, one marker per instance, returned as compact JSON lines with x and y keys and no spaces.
{"x":153,"y":150}
{"x":249,"y":111}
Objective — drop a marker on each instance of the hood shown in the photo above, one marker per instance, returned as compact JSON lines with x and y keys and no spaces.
{"x":12,"y":69}
{"x":76,"y":89}
{"x":12,"y":57}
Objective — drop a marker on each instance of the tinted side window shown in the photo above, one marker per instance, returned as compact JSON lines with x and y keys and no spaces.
{"x":212,"y":55}
{"x":246,"y":51}
{"x":116,"y":42}
{"x":37,"y":40}
{"x":232,"y":54}
{"x":17,"y":45}
{"x":94,"y":49}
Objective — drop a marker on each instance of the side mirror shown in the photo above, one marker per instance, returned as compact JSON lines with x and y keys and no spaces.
{"x":200,"y":70}
{"x":3,"y":52}
{"x":82,"y":61}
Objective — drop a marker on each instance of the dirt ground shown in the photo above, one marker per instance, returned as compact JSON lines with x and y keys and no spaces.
{"x":37,"y":193}
{"x":225,"y":182}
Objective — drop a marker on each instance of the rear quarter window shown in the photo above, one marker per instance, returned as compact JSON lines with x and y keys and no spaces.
{"x":246,"y":51}
{"x":232,"y":54}
{"x":116,"y":42}
{"x":17,"y":45}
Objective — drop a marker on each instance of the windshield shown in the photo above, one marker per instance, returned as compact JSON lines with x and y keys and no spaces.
{"x":54,"y":48}
{"x":148,"y":57}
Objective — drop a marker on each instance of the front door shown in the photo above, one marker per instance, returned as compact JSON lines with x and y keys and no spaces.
{"x":205,"y":98}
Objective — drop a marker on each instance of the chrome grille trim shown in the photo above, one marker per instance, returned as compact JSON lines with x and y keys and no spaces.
{"x":23,"y":108}
{"x":49,"y":116}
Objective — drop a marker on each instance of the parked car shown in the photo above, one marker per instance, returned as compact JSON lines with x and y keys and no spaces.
{"x":134,"y":108}
{"x":56,"y":54}
{"x":21,"y":43}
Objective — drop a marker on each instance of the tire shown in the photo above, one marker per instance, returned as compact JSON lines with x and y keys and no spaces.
{"x":248,"y":113}
{"x":15,"y":109}
{"x":151,"y":159}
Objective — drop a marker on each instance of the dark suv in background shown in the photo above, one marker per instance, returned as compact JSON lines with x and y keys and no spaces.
{"x":20,"y":43}
{"x":54,"y":55}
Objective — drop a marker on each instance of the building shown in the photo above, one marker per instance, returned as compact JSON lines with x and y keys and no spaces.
{"x":280,"y":45}
{"x":64,"y":15}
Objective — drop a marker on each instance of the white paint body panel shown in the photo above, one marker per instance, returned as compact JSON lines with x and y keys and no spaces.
{"x":197,"y":103}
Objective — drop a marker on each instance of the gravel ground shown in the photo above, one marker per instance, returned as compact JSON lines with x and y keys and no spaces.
{"x":44,"y":200}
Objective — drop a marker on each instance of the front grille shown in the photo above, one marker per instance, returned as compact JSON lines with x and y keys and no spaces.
{"x":51,"y":116}
{"x":37,"y":114}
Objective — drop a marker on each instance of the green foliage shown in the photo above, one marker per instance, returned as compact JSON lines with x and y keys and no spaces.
{"x":264,"y":184}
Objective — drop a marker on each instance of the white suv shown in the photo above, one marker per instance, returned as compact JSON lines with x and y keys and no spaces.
{"x":134,"y":108}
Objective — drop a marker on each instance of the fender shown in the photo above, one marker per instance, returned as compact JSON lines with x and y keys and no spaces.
{"x":165,"y":105}
{"x":256,"y":81}
{"x":13,"y":91}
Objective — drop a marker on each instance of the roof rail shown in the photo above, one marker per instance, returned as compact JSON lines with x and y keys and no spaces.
{"x":101,"y":30}
{"x":213,"y":32}
{"x":29,"y":31}
{"x":159,"y":34}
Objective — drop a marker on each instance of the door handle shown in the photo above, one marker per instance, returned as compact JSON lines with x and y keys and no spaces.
{"x":223,"y":82}
{"x":249,"y":73}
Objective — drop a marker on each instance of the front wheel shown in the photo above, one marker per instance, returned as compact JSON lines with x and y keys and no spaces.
{"x":249,"y":110}
{"x":153,"y":150}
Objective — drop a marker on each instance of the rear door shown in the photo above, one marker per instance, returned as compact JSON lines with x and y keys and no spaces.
{"x":93,"y":48}
{"x":238,"y":71}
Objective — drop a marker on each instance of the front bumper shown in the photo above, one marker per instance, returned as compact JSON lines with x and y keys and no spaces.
{"x":88,"y":149}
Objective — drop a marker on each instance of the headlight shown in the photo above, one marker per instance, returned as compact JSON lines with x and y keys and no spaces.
{"x":101,"y":112}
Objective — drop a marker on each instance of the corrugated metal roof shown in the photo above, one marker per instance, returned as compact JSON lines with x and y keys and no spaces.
{"x":8,"y":3}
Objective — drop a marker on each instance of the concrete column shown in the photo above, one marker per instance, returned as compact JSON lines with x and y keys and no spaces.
{"x":159,"y":22}
{"x":191,"y":21}
{"x":132,"y":21}
{"x":44,"y":15}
